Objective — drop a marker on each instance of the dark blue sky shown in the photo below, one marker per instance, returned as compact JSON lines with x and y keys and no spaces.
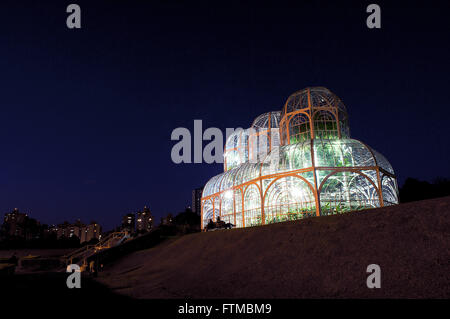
{"x":86,"y":115}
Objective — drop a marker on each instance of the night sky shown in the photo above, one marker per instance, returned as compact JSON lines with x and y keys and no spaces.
{"x":86,"y":115}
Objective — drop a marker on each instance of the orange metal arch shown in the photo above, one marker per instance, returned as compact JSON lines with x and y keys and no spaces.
{"x":202,"y":210}
{"x":284,"y":124}
{"x":245,"y":188}
{"x":248,"y":185}
{"x":287,"y":175}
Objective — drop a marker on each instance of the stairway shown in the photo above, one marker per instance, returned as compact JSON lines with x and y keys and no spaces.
{"x":81,"y":255}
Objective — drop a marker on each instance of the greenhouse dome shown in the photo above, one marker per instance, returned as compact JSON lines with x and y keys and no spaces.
{"x":254,"y":143}
{"x":313,"y":113}
{"x":267,"y":120}
{"x":320,"y":175}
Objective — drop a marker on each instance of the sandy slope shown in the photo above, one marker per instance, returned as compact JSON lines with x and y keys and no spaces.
{"x":314,"y":258}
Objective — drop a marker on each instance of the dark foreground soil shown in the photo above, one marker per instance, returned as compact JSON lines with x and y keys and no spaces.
{"x":322,"y":257}
{"x":50,"y":287}
{"x":6,"y":253}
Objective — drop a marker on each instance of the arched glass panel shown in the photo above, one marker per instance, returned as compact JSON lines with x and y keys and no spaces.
{"x":252,"y":206}
{"x":325,"y":125}
{"x":389,"y":190}
{"x":383,"y":162}
{"x":209,"y":187}
{"x":299,"y":128}
{"x":232,"y":159}
{"x":238,"y":207}
{"x":288,"y":158}
{"x":246,"y":173}
{"x":236,"y":149}
{"x":342,"y":153}
{"x":346,"y":191}
{"x":227,"y":203}
{"x":267,"y":120}
{"x":296,"y":101}
{"x":288,"y":198}
{"x":343,"y":123}
{"x":228,"y":179}
{"x":258,"y":145}
{"x":208,"y":213}
{"x":216,"y":207}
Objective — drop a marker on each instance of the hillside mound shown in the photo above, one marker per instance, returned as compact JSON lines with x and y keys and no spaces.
{"x":324,"y":257}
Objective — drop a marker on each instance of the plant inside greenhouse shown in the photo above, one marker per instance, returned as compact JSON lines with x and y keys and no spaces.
{"x":297,"y":163}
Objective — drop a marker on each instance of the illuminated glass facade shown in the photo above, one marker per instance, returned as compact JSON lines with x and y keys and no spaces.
{"x":298,"y":163}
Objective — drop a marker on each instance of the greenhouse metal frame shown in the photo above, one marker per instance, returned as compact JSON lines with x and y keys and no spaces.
{"x":316,"y":169}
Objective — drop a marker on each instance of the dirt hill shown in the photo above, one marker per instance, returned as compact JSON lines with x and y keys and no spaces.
{"x":322,"y":257}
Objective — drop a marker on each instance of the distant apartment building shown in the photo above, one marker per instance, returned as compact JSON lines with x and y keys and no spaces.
{"x":77,"y":230}
{"x":20,"y":226}
{"x":50,"y":230}
{"x":144,"y":221}
{"x":91,"y":231}
{"x":197,"y":200}
{"x":14,"y":223}
{"x":67,"y":230}
{"x":129,"y":222}
{"x":62,"y":230}
{"x":168,"y":220}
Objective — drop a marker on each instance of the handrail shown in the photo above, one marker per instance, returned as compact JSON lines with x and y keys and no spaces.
{"x":89,"y":250}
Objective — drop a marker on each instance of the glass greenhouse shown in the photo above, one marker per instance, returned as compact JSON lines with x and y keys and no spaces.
{"x":298,"y":163}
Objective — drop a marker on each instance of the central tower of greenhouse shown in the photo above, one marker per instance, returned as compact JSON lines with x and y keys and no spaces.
{"x":298,"y":163}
